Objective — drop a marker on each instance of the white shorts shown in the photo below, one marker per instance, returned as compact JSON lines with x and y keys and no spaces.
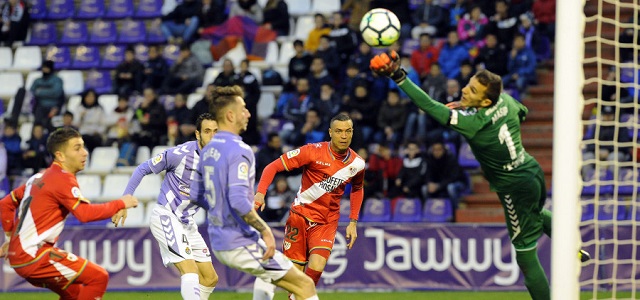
{"x":177,"y":241}
{"x":248,"y":259}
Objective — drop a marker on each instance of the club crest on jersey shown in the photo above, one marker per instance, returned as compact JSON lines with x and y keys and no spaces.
{"x":187,"y":250}
{"x":352,"y":171}
{"x":243,"y":171}
{"x":75,"y":191}
{"x":72,"y":257}
{"x":293,"y":153}
{"x":157,"y":159}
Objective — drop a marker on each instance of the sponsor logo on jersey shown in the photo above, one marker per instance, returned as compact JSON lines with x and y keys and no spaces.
{"x":243,"y":171}
{"x":323,"y":163}
{"x":326,"y":241}
{"x":330,"y":183}
{"x":157,"y":159}
{"x":293,"y":153}
{"x":286,"y":245}
{"x":75,"y":191}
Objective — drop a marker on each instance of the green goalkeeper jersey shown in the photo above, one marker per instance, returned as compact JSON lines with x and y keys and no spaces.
{"x":493,"y":134}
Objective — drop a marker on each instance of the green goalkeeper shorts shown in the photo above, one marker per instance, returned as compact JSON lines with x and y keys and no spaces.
{"x":522,"y":207}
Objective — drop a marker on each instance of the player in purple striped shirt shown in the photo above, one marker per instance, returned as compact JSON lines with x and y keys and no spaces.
{"x":172,"y":221}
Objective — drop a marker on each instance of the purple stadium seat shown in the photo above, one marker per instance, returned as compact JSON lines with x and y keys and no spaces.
{"x":74,"y":32}
{"x":587,"y":212}
{"x":607,"y":210}
{"x":103,"y":32}
{"x":86,"y":57}
{"x":376,"y":210}
{"x":345,"y":210}
{"x":119,"y":9}
{"x":90,"y":9}
{"x":61,"y":56}
{"x":451,"y":147}
{"x":4,"y":186}
{"x":625,"y":177}
{"x":100,"y":81}
{"x":409,"y":45}
{"x":43,"y":34}
{"x":113,"y":55}
{"x":149,"y":9}
{"x":407,"y":210}
{"x":73,"y":221}
{"x":154,"y":35}
{"x":38,"y":10}
{"x":438,"y":211}
{"x":142,"y":52}
{"x":589,"y":187}
{"x":60,"y":9}
{"x":132,"y":31}
{"x":466,"y":159}
{"x":170,"y":53}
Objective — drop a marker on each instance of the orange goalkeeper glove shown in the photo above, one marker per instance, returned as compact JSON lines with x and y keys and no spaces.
{"x":388,"y":65}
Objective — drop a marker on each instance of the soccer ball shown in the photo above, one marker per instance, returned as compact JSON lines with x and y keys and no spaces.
{"x":380,"y":27}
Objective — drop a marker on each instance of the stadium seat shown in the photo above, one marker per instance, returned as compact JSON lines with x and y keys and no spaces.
{"x":273,"y":53}
{"x":192,"y":99}
{"x":61,"y":56}
{"x":72,"y":221}
{"x":73,"y":103}
{"x":103,"y":32}
{"x":170,"y":53}
{"x":143,"y":154}
{"x":132,"y":31}
{"x":6,"y":58}
{"x":113,"y":187}
{"x":109,"y":102}
{"x":266,"y":105}
{"x":158,"y":149}
{"x":236,"y":55}
{"x":200,"y":217}
{"x":437,"y":211}
{"x":299,"y":7}
{"x":603,"y":180}
{"x":113,"y":55}
{"x":11,"y":82}
{"x":149,"y":9}
{"x":286,"y":53}
{"x":154,"y":34}
{"x":304,"y":25}
{"x":119,"y":9}
{"x":587,"y":212}
{"x":466,"y":159}
{"x":136,"y":216}
{"x":72,"y":82}
{"x":27,"y":58}
{"x":626,"y":183}
{"x":90,"y":185}
{"x":148,"y":211}
{"x":42,"y":34}
{"x":31,"y":77}
{"x":611,"y":209}
{"x":4,"y":187}
{"x":99,"y":81}
{"x":283,"y":71}
{"x":142,"y":52}
{"x":325,"y":6}
{"x":210,"y":75}
{"x":103,"y":160}
{"x":38,"y":10}
{"x":90,"y":9}
{"x":407,"y":210}
{"x":345,"y":210}
{"x":25,"y":134}
{"x":294,"y":182}
{"x":86,"y":57}
{"x":149,"y":188}
{"x":376,"y":210}
{"x":60,"y":9}
{"x":74,"y":32}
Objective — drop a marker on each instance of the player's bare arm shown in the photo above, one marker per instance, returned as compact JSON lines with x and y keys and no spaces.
{"x":253,"y":219}
{"x":352,"y":232}
{"x":258,"y":201}
{"x":121,"y":215}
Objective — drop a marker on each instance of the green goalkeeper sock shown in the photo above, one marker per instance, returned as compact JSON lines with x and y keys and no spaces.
{"x":534,"y":277}
{"x":546,"y":221}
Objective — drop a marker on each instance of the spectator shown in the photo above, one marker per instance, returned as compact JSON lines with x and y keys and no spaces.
{"x":36,"y":156}
{"x":119,"y":122}
{"x":300,"y":64}
{"x":152,"y":120}
{"x":545,"y":14}
{"x":472,"y":28}
{"x":466,"y":72}
{"x":296,"y":104}
{"x":318,"y":76}
{"x":364,"y":113}
{"x":185,"y":75}
{"x":611,"y":92}
{"x":329,"y":55}
{"x":492,"y":57}
{"x":392,"y":117}
{"x":521,"y":66}
{"x":67,"y":120}
{"x":453,"y":92}
{"x":456,"y":11}
{"x":48,"y":93}
{"x":276,"y":17}
{"x":314,"y":130}
{"x":90,"y":118}
{"x":228,"y":77}
{"x":352,"y":78}
{"x":445,"y":177}
{"x":519,"y":7}
{"x":429,"y":18}
{"x":451,"y":55}
{"x":414,"y":169}
{"x":202,"y":106}
{"x":155,"y":69}
{"x":533,"y":39}
{"x":269,"y":152}
{"x":362,"y":58}
{"x":328,"y":104}
{"x":12,"y":141}
{"x":181,"y":24}
{"x":247,"y":8}
{"x":278,"y":200}
{"x":386,"y":167}
{"x":343,"y":39}
{"x":180,"y":127}
{"x":15,"y":22}
{"x":607,"y":132}
{"x":212,"y":13}
{"x":357,"y":9}
{"x":435,"y":83}
{"x":503,"y":25}
{"x":321,"y":28}
{"x":128,"y":77}
{"x":424,"y":56}
{"x":252,"y":92}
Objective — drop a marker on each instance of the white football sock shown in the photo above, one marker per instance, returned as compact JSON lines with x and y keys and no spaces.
{"x":189,"y":286}
{"x":314,"y":297}
{"x":263,"y":290}
{"x":205,"y":291}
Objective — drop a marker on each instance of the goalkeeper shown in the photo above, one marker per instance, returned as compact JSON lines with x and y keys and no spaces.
{"x":490,"y":121}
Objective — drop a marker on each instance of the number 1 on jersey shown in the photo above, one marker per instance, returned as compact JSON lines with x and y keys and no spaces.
{"x":505,"y":138}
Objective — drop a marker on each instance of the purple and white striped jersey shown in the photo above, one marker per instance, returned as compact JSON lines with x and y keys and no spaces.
{"x":181,"y":163}
{"x":226,"y":190}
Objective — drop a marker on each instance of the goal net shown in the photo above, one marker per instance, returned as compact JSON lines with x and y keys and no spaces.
{"x":609,"y":166}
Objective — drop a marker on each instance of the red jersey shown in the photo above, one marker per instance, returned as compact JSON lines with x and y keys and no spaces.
{"x":43,"y":205}
{"x":323,"y":180}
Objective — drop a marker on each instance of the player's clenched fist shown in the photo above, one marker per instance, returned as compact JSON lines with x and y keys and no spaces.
{"x":388,"y":65}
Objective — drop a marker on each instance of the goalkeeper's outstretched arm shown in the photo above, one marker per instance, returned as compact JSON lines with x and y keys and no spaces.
{"x":432,"y":107}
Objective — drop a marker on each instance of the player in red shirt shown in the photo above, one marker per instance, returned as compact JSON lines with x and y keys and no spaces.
{"x":311,"y":227}
{"x":43,"y":204}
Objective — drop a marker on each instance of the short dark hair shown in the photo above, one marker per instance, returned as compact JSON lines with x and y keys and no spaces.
{"x":202,"y":117}
{"x":68,"y":113}
{"x":493,"y":83}
{"x":298,"y":43}
{"x":272,"y":135}
{"x":59,"y":138}
{"x":222,"y":97}
{"x":340,"y":117}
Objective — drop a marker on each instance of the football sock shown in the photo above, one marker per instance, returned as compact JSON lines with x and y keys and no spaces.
{"x":534,"y":277}
{"x":314,"y":297}
{"x":263,"y":290}
{"x":189,"y":286}
{"x":546,"y":221}
{"x":315,"y":275}
{"x":205,"y":291}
